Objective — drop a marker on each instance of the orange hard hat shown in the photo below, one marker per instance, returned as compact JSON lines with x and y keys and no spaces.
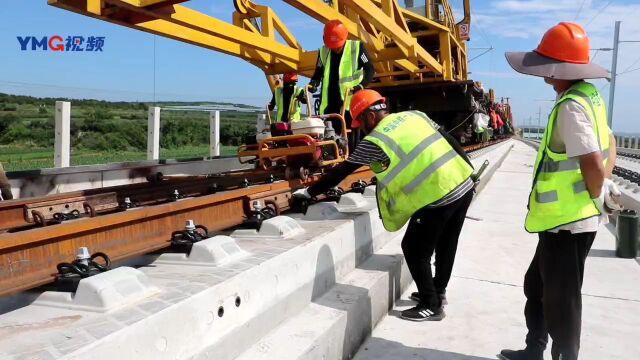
{"x":290,"y":77}
{"x":361,"y":101}
{"x":335,"y":34}
{"x":566,"y":42}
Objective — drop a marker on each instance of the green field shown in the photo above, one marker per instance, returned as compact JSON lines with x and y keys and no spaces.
{"x":15,"y":158}
{"x":105,"y":132}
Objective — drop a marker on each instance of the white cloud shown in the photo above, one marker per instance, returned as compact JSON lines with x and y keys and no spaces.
{"x":519,"y":25}
{"x":535,"y":5}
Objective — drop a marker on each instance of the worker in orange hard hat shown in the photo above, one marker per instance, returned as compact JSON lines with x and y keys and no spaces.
{"x":287,"y":98}
{"x":571,"y":194}
{"x":423,"y":177}
{"x":343,"y":66}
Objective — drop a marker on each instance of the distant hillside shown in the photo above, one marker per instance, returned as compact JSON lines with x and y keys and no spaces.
{"x":28,"y":123}
{"x":21,"y":99}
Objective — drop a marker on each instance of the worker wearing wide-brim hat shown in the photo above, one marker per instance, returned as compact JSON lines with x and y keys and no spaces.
{"x":570,"y":194}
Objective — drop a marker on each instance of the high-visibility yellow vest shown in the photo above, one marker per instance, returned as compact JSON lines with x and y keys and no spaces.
{"x":423,"y":166}
{"x":294,"y":104}
{"x":348,"y":73}
{"x":559,"y":195}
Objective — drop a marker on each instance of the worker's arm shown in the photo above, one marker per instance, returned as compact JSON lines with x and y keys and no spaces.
{"x":364,"y":63}
{"x":5,"y":187}
{"x":333,"y":178}
{"x":580,"y":139}
{"x":593,"y":172}
{"x":272,"y":103}
{"x":365,"y":153}
{"x":302,"y":97}
{"x":613,"y":153}
{"x":317,"y":74}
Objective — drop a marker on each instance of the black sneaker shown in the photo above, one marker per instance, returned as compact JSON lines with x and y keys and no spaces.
{"x":415,"y":296}
{"x":423,"y":313}
{"x":520,"y":355}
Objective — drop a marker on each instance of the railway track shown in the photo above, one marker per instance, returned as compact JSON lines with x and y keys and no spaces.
{"x":628,"y":166}
{"x":37,"y":234}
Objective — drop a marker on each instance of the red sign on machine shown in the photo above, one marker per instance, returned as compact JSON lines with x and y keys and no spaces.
{"x":463,"y":30}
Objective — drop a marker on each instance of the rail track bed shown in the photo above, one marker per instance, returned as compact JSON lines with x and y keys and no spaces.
{"x":37,"y":234}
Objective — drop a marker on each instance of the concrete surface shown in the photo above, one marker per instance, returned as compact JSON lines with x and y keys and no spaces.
{"x":314,"y":295}
{"x":486,"y":300}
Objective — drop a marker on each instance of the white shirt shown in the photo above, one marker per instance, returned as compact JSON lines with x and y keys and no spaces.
{"x":574,"y":135}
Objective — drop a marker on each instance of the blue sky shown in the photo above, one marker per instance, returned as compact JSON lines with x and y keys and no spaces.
{"x":125,"y":70}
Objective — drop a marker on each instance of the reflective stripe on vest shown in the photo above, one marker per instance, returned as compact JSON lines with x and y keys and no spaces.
{"x":423,"y":167}
{"x":348,"y":73}
{"x":294,"y":105}
{"x":559,"y":195}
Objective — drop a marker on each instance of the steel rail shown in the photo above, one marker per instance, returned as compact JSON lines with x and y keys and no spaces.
{"x":29,"y":258}
{"x":29,"y":254}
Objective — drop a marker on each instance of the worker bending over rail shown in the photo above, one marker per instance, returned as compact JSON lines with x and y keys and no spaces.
{"x":343,"y":68}
{"x":424,"y":177}
{"x":5,"y":187}
{"x":570,"y":196}
{"x":287,"y":99}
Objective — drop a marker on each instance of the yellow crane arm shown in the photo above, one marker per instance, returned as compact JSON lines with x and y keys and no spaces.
{"x":406,"y":46}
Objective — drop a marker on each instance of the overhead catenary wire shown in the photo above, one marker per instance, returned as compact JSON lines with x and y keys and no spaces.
{"x":579,"y":10}
{"x":599,"y":12}
{"x":482,"y":53}
{"x":625,"y":71}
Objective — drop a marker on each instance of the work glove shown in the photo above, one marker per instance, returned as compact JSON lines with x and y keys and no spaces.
{"x":302,"y":194}
{"x":312,"y":87}
{"x":611,"y":195}
{"x":599,"y":202}
{"x":607,"y":202}
{"x":356,"y":88}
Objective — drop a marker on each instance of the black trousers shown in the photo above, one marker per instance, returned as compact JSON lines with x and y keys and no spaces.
{"x":434,"y":229}
{"x":553,"y":287}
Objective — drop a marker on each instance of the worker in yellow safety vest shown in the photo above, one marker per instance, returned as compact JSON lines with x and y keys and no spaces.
{"x":287,"y":99}
{"x":570,"y":195}
{"x":343,"y":68}
{"x":424,"y":178}
{"x":5,"y":187}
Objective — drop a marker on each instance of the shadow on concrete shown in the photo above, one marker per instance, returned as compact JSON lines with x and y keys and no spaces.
{"x":352,"y":300}
{"x":325,"y":276}
{"x":602,"y":253}
{"x":381,"y":349}
{"x":13,"y":302}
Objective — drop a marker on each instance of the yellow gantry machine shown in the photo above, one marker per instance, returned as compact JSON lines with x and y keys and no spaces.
{"x":409,"y":45}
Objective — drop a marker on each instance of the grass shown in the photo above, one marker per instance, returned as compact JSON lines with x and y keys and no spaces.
{"x":20,"y":158}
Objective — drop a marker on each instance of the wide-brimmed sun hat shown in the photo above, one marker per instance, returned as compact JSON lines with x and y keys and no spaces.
{"x":563,"y":53}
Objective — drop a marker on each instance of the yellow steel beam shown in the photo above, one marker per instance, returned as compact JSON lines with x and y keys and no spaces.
{"x":185,"y":34}
{"x":403,"y":39}
{"x":186,"y":17}
{"x":325,"y":13}
{"x":145,"y":3}
{"x":95,"y":6}
{"x":410,"y":15}
{"x":445,"y":55}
